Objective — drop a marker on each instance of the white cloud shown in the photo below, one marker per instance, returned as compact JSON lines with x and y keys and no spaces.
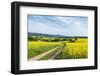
{"x":71,"y":27}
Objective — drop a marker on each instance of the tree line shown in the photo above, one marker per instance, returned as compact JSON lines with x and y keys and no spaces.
{"x":45,"y":39}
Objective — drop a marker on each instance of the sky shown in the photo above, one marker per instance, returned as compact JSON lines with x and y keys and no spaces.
{"x":58,"y":25}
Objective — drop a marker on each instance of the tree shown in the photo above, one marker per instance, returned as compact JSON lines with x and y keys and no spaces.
{"x":71,"y":40}
{"x":76,"y":39}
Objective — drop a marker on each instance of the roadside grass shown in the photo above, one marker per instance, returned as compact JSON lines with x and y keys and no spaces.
{"x":36,"y":47}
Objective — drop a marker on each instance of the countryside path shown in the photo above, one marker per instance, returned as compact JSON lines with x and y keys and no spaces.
{"x":46,"y":53}
{"x":54,"y":56}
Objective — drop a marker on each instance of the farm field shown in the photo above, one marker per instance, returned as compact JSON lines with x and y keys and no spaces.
{"x":56,"y":37}
{"x":76,"y":50}
{"x":37,"y":47}
{"x":61,"y":49}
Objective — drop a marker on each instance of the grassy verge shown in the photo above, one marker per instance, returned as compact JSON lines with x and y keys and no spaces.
{"x":50,"y":55}
{"x":36,"y":48}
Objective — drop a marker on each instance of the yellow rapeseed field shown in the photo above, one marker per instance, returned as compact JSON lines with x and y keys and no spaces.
{"x":72,"y":50}
{"x":37,"y":47}
{"x":75,"y":50}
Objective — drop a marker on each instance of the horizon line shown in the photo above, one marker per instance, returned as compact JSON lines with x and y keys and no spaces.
{"x":57,"y":34}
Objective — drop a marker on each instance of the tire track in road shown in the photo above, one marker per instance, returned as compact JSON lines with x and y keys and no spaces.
{"x":56,"y":54}
{"x":43,"y":54}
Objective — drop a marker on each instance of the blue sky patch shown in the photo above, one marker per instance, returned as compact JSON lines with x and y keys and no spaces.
{"x":58,"y":25}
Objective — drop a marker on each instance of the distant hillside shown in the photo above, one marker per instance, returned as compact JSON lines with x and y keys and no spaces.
{"x":44,"y":35}
{"x":49,"y":35}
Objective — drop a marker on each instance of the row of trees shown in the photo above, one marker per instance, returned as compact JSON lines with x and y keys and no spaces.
{"x":36,"y":38}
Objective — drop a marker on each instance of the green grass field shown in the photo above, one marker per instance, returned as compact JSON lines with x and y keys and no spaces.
{"x":72,"y":50}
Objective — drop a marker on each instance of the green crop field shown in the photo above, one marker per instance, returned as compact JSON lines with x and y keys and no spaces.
{"x":71,"y":49}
